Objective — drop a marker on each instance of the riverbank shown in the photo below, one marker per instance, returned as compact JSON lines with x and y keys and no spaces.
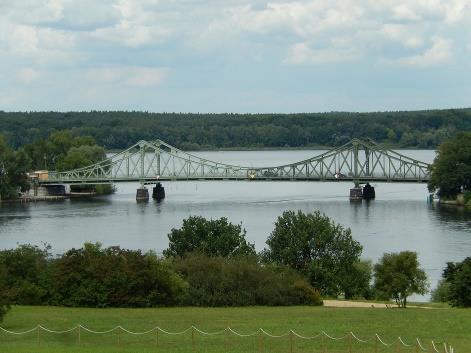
{"x":450,"y":325}
{"x":463,"y":200}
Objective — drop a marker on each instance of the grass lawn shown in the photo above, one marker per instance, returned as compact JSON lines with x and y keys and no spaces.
{"x":438,"y":324}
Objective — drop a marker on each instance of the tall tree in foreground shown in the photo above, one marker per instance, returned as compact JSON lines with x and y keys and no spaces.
{"x":317,"y":247}
{"x":451,"y":169}
{"x":397,"y":276}
{"x":216,"y":237}
{"x":458,"y":277}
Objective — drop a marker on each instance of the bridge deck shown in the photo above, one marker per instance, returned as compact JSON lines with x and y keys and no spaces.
{"x":154,"y":180}
{"x":150,"y":162}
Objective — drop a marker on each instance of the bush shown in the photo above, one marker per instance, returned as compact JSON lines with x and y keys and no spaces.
{"x":458,"y":276}
{"x":216,"y":237}
{"x":467,"y":198}
{"x":26,"y":274}
{"x":4,"y":301}
{"x":114,"y":277}
{"x":216,"y":281}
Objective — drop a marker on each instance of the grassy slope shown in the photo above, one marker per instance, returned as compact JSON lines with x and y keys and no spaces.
{"x":452,"y":325}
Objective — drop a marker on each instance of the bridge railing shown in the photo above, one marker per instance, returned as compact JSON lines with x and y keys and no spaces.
{"x":357,"y":160}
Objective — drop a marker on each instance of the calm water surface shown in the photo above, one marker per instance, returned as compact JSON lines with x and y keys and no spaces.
{"x":399,"y":218}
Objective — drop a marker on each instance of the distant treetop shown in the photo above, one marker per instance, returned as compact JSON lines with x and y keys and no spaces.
{"x":120,"y":129}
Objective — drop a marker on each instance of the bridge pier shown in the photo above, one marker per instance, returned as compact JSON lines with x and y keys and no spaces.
{"x":356,"y":194}
{"x":142,"y":194}
{"x":369,"y":192}
{"x":158,"y":193}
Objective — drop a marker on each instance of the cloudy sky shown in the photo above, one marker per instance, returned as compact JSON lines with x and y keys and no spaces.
{"x":234,"y":55}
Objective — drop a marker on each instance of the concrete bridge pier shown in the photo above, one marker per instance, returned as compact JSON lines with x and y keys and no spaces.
{"x":142,"y":194}
{"x":158,"y":193}
{"x":358,"y":193}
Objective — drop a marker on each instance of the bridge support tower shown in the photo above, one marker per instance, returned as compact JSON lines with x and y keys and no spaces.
{"x":142,"y":194}
{"x":158,"y":193}
{"x":356,"y":194}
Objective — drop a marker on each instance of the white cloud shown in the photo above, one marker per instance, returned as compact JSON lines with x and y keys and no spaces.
{"x":340,"y":51}
{"x":128,"y":76}
{"x":406,"y":35}
{"x":28,"y":75}
{"x":439,"y":53}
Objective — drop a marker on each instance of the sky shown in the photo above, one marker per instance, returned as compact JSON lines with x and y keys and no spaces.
{"x":234,"y":55}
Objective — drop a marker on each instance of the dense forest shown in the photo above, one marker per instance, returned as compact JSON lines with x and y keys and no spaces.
{"x":118,"y":130}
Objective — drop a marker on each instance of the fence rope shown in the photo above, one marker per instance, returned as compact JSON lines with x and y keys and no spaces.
{"x":447,"y":348}
{"x":382,"y":342}
{"x":242,"y":335}
{"x":420,"y":345}
{"x":273,"y":336}
{"x":305,"y":337}
{"x":174,"y":333}
{"x":334,"y":338}
{"x":99,"y":332}
{"x":19,"y":333}
{"x":359,"y":339}
{"x":209,"y":333}
{"x":137,"y":333}
{"x":404,"y":343}
{"x":444,"y":345}
{"x":57,"y":332}
{"x":435,"y":348}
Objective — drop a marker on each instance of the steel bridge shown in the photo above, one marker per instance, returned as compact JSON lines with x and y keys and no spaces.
{"x":151,"y":162}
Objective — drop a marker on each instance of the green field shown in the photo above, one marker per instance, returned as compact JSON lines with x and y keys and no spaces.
{"x":438,"y":324}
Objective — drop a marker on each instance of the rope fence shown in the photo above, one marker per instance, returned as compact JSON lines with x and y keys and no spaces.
{"x":291,"y":336}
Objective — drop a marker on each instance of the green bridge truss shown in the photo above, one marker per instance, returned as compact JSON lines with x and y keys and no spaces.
{"x":150,"y":162}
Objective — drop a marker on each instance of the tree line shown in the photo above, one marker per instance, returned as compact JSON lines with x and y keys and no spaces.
{"x":210,"y":263}
{"x":121,"y":129}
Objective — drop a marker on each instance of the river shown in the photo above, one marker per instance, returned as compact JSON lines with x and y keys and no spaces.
{"x":399,"y":218}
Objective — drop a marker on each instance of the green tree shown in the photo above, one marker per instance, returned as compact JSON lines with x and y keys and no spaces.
{"x":81,"y":156}
{"x":458,"y":276}
{"x":442,"y":292}
{"x":357,"y":281}
{"x":397,"y":276}
{"x":451,"y":169}
{"x":13,"y":168}
{"x":317,"y":247}
{"x":51,"y":152}
{"x":216,"y":237}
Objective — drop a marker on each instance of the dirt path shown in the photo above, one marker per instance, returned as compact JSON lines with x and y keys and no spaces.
{"x":354,"y":304}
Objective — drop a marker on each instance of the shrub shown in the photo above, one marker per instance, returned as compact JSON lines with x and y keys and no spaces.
{"x":25,"y":271}
{"x":215,"y":281}
{"x":96,"y":277}
{"x":458,"y":276}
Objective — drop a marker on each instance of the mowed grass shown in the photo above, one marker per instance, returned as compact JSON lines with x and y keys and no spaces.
{"x":438,"y":324}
